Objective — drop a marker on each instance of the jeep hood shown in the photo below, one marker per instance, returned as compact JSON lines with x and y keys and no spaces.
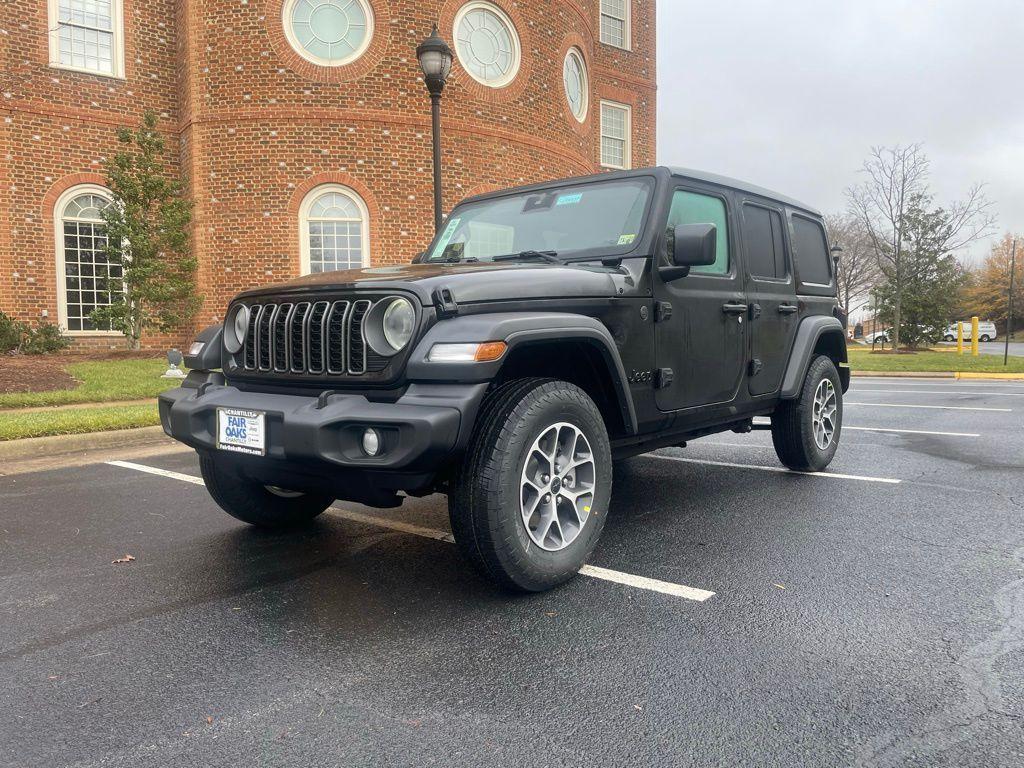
{"x":469,"y":283}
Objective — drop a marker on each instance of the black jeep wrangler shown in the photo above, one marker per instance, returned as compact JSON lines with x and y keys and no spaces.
{"x":548,"y":331}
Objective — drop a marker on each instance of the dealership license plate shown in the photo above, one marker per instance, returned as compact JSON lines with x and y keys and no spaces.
{"x":241,"y":431}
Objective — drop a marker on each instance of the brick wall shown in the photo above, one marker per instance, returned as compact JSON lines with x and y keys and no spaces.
{"x":255,"y":126}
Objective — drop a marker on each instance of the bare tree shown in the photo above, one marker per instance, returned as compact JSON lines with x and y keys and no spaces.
{"x":857,"y":268}
{"x":896,"y":189}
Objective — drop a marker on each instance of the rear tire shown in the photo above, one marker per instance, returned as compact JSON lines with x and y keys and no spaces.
{"x":806,"y":431}
{"x":259,"y":504}
{"x":985,"y":338}
{"x":529,"y":502}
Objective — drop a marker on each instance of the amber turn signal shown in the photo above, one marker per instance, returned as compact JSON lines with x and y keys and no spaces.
{"x":490,"y":350}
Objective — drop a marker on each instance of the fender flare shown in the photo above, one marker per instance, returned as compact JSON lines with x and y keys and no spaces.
{"x":518,"y":329}
{"x":810,"y":331}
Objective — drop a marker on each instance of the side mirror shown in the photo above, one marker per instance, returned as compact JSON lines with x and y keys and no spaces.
{"x":690,"y":245}
{"x":419,"y":258}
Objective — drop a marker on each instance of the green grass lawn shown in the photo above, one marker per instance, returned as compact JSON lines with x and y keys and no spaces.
{"x":866,"y":360}
{"x":71,"y":421}
{"x":102,"y":382}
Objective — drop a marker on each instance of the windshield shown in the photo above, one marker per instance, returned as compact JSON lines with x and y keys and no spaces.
{"x":568,"y":221}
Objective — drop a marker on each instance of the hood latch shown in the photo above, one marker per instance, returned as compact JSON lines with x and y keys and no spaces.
{"x":445,"y":303}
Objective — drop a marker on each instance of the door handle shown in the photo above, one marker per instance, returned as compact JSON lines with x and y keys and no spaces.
{"x":734,"y":309}
{"x":787,"y":309}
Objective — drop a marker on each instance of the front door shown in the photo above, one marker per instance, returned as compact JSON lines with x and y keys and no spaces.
{"x":701,"y":318}
{"x":772,"y":295}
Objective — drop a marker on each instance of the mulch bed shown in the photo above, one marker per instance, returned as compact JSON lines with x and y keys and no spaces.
{"x":44,"y":373}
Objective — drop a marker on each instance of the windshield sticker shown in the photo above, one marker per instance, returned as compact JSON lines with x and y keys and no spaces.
{"x":570,"y":199}
{"x":446,"y":237}
{"x":626,"y":239}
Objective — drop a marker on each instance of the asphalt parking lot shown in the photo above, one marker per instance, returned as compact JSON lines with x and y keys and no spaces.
{"x":736,"y":614}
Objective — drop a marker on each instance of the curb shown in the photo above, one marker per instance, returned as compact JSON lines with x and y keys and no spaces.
{"x":939,"y":375}
{"x":905,"y":374}
{"x":33,"y":447}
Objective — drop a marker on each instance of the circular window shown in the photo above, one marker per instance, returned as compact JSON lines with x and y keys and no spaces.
{"x":577,"y":89}
{"x":487,"y":44}
{"x":328,"y":32}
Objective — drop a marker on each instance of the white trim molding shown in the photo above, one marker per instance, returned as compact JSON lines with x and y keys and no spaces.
{"x":86,"y":34}
{"x":304,"y":222}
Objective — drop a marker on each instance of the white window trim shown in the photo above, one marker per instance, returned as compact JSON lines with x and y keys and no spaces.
{"x":289,"y":33}
{"x":576,"y":53}
{"x":58,"y":238}
{"x":517,"y":46}
{"x":627,"y":32}
{"x":627,"y":152}
{"x":117,"y":40}
{"x":307,"y":203}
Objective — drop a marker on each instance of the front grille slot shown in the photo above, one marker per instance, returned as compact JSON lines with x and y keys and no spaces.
{"x":281,"y":318}
{"x":356,"y":340}
{"x":316,"y":334}
{"x":297,"y":337}
{"x":310,"y":337}
{"x":336,"y":345}
{"x":265,"y":338}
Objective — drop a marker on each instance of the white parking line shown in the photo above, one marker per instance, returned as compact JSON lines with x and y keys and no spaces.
{"x":932,"y":407}
{"x":912,"y":431}
{"x":783,"y":470}
{"x":593,"y":571}
{"x":943,"y":392}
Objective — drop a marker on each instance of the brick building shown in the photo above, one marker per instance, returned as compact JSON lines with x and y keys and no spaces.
{"x":302,"y":126}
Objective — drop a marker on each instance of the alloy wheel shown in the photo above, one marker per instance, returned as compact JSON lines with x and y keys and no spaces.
{"x":557,"y":488}
{"x":823,"y":414}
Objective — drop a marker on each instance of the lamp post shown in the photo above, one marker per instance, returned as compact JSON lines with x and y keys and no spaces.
{"x":435,"y":59}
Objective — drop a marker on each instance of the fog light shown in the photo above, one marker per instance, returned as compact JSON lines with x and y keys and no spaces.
{"x":372,"y":442}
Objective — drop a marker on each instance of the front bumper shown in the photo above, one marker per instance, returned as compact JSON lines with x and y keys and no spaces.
{"x":314,"y":442}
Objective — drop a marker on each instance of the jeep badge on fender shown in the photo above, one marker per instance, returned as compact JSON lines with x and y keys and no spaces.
{"x":494,"y":369}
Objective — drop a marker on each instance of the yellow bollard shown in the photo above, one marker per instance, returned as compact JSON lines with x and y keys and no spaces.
{"x":974,"y":336}
{"x":959,"y":337}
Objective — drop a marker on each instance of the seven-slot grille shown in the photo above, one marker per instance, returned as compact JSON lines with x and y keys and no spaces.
{"x":310,"y":337}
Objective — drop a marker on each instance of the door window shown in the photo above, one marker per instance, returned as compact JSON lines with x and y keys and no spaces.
{"x":695,"y":208}
{"x":762,"y":233}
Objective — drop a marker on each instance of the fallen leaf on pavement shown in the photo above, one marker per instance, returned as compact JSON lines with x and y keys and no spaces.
{"x":780,"y":586}
{"x":125,"y":559}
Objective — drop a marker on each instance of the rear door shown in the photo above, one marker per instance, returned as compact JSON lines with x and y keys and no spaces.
{"x":771,"y":291}
{"x":701,"y":318}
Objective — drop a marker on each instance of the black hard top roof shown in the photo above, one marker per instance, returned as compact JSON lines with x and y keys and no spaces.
{"x":742,"y":186}
{"x":662,"y":171}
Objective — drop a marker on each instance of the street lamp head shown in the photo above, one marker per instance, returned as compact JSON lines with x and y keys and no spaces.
{"x":435,"y":59}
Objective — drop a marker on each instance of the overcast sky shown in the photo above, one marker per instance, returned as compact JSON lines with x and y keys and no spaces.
{"x":791,"y":95}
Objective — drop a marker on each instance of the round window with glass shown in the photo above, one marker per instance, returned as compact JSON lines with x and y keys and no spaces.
{"x":487,"y":44}
{"x":329,"y":33}
{"x":577,"y":88}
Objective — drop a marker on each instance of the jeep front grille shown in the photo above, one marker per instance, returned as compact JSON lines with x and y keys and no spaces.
{"x":310,"y":337}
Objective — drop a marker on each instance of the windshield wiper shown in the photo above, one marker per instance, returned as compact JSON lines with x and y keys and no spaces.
{"x":549,"y":256}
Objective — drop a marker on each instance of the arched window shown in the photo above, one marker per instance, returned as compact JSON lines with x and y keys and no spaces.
{"x":85,"y":279}
{"x":333,"y":230}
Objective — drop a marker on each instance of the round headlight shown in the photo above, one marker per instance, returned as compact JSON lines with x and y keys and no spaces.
{"x":236,"y":329}
{"x":399,"y":323}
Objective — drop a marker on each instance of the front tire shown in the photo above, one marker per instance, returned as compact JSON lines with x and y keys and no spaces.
{"x":948,"y":338}
{"x":984,"y":338}
{"x":257,"y":504}
{"x":806,"y":431}
{"x":529,"y":503}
